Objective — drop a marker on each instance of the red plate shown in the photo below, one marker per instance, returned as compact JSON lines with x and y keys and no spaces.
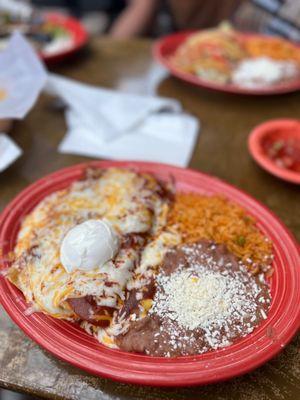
{"x":166,"y":47}
{"x":278,"y":129}
{"x":68,"y":342}
{"x":74,"y":28}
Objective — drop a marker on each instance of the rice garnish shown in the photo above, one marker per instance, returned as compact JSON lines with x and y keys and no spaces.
{"x":218,"y":219}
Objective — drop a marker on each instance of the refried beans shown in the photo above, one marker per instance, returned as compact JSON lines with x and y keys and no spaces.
{"x":204,"y":299}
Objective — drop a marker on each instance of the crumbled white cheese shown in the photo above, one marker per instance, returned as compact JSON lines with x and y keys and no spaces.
{"x":203,"y":298}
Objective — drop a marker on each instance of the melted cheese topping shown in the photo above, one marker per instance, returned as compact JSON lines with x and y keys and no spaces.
{"x":131,"y":202}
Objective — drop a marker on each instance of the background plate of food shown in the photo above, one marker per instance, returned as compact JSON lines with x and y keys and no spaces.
{"x":54,"y":36}
{"x":148,"y":273}
{"x":230,"y":61}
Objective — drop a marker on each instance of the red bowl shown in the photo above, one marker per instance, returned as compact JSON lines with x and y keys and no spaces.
{"x":75,"y":29}
{"x":278,"y":129}
{"x":70,"y":343}
{"x":166,"y":47}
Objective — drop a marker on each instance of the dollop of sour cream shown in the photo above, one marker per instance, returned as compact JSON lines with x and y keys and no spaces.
{"x":89,"y":245}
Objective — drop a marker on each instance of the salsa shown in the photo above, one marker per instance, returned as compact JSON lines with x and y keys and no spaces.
{"x":284,"y":153}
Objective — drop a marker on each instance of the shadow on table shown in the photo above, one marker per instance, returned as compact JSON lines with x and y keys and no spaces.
{"x":8,"y":395}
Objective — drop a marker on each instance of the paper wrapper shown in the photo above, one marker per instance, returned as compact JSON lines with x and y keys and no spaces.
{"x":22,"y":77}
{"x":121,"y":125}
{"x":109,"y":113}
{"x":167,"y":138}
{"x":9,"y":151}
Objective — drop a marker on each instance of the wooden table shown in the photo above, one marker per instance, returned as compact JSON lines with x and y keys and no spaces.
{"x":221,"y":150}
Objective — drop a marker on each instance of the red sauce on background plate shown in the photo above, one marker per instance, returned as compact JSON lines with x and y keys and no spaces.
{"x":275,"y":146}
{"x":284,"y":153}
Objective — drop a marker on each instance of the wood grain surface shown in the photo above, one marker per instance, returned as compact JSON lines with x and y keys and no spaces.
{"x":221,"y":150}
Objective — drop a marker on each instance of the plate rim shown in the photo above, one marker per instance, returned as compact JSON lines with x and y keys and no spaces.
{"x":157,"y":51}
{"x":152,"y":377}
{"x":80,"y":40}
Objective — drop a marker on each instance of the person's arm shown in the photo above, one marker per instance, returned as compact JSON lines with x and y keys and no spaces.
{"x":135,"y":19}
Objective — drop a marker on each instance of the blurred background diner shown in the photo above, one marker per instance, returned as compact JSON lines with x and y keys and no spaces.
{"x":128,"y":18}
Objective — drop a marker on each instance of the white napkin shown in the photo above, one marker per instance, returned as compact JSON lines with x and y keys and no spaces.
{"x":108,"y":112}
{"x":146,"y":82}
{"x":151,"y":142}
{"x":115,"y":125}
{"x":9,"y":151}
{"x":22,"y":77}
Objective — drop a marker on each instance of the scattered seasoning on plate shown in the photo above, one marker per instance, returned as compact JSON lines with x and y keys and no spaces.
{"x":241,"y":240}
